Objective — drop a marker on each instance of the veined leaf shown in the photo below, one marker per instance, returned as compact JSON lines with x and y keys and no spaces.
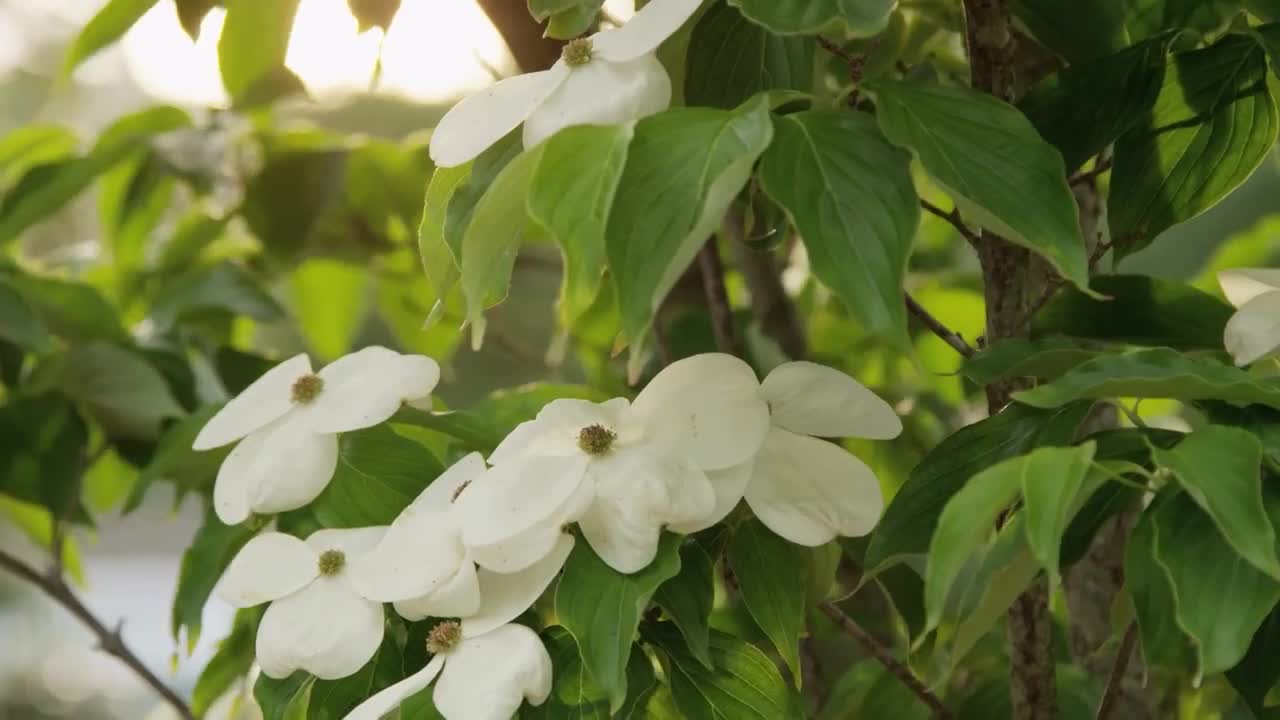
{"x":771,"y":576}
{"x":730,"y":59}
{"x":808,"y":17}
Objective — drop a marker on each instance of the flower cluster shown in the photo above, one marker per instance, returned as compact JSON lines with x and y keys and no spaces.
{"x":1254,"y":331}
{"x":486,"y":539}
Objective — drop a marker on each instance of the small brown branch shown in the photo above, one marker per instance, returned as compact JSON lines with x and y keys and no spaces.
{"x":954,"y":218}
{"x":834,"y":48}
{"x":947,"y":335}
{"x":1115,"y":683}
{"x":882,"y":654}
{"x":109,"y":640}
{"x":712,"y":269}
{"x":1090,"y":175}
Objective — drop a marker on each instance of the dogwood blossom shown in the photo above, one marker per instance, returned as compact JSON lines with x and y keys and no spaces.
{"x":610,"y":77}
{"x":1254,"y":331}
{"x":287,"y":423}
{"x":421,"y":565}
{"x":317,"y":620}
{"x":623,"y":471}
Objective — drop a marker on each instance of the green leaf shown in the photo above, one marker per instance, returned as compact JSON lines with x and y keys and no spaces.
{"x":566,"y":19}
{"x":231,"y":663}
{"x":1218,"y":467}
{"x":1221,"y":599}
{"x":1263,"y":422}
{"x":570,"y":196}
{"x":484,"y":171}
{"x":32,"y":145}
{"x":1158,"y":313}
{"x":120,"y":389}
{"x":287,"y":699}
{"x":379,"y":473}
{"x":1155,"y":373}
{"x":191,"y":13}
{"x":1164,"y":645}
{"x":850,"y":195}
{"x":912,"y":515}
{"x":574,"y":694}
{"x":174,"y":460}
{"x":1255,"y":675}
{"x":133,"y":199}
{"x":1046,"y":357}
{"x":602,"y":609}
{"x":42,"y":452}
{"x":731,"y":59}
{"x":1213,"y":124}
{"x":1078,"y":31}
{"x":744,"y":684}
{"x":771,"y":577}
{"x":19,"y":322}
{"x":334,"y":699}
{"x":1004,"y":571}
{"x":374,"y":13}
{"x":473,"y":432}
{"x":203,"y":562}
{"x":688,"y":598}
{"x":684,"y":169}
{"x":439,"y":261}
{"x":72,"y":309}
{"x":1051,"y":494}
{"x":222,"y":289}
{"x":861,"y":18}
{"x":1119,"y":89}
{"x":288,"y":201}
{"x":330,"y":301}
{"x":109,"y":25}
{"x":992,"y":162}
{"x":253,"y":43}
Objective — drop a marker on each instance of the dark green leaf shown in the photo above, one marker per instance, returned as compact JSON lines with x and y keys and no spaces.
{"x":209,"y":554}
{"x":731,"y":59}
{"x":379,"y":473}
{"x":1263,"y":422}
{"x":42,"y":452}
{"x":255,"y":37}
{"x":133,"y":198}
{"x":174,"y":459}
{"x":19,"y":322}
{"x":474,"y":432}
{"x":574,"y":694}
{"x":1213,"y":124}
{"x":992,"y":162}
{"x":107,"y":26}
{"x":1078,"y":31}
{"x":333,"y":699}
{"x":808,"y":17}
{"x":120,"y":389}
{"x":75,"y":310}
{"x":222,"y":288}
{"x":1155,"y":373}
{"x":374,"y":13}
{"x":287,"y":699}
{"x":850,"y":195}
{"x":1054,"y":487}
{"x":1156,"y":312}
{"x":1255,"y":676}
{"x":688,"y":598}
{"x":191,"y":13}
{"x":602,"y":609}
{"x":1164,"y":644}
{"x":771,"y":575}
{"x":286,"y":203}
{"x":1047,"y":357}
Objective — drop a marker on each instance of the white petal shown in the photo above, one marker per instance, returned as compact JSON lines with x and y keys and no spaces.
{"x":459,"y":596}
{"x":555,"y":431}
{"x":420,"y":375}
{"x":645,"y":31}
{"x":489,"y":676}
{"x":519,"y":552}
{"x":484,"y":118}
{"x":708,"y":407}
{"x":284,"y":469}
{"x":390,"y":698}
{"x":270,"y":566}
{"x":263,"y":402}
{"x":510,"y":499}
{"x":326,"y":629}
{"x":1244,"y":284}
{"x":505,"y":596}
{"x":602,"y":93}
{"x":1254,"y":331}
{"x":438,"y":497}
{"x":363,"y":389}
{"x":419,"y":553}
{"x":812,"y":399}
{"x":234,"y":487}
{"x":729,"y":485}
{"x":809,"y":491}
{"x":353,"y":542}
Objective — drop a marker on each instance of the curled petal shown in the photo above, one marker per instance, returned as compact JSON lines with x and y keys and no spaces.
{"x":505,"y":596}
{"x":1254,"y":331}
{"x":602,"y":93}
{"x":459,"y":596}
{"x":812,"y":399}
{"x":381,"y":704}
{"x":1244,"y":284}
{"x":645,"y":31}
{"x":809,"y":491}
{"x":418,"y":554}
{"x":509,"y":500}
{"x":270,"y":566}
{"x":268,"y":399}
{"x":518,"y":553}
{"x":490,"y":675}
{"x":286,"y":468}
{"x":484,"y":118}
{"x":326,"y":629}
{"x":729,"y":485}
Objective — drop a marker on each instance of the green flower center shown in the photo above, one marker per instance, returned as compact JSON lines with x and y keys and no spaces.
{"x":444,"y":637}
{"x":577,"y":52}
{"x":596,"y":439}
{"x":332,"y":562}
{"x":307,"y":388}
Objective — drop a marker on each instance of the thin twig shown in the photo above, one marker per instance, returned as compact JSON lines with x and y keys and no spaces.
{"x":1088,"y":176}
{"x":712,"y":269}
{"x":834,"y":48}
{"x":108,"y":639}
{"x":948,"y":335}
{"x":954,"y":218}
{"x":1116,"y":681}
{"x":882,"y":654}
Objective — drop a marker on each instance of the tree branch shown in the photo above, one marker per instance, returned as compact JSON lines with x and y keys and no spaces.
{"x":770,"y":305}
{"x":523,"y":36}
{"x":1115,"y":683}
{"x":712,"y":269}
{"x":108,"y":639}
{"x":948,"y":335}
{"x":954,"y":218}
{"x":882,"y":654}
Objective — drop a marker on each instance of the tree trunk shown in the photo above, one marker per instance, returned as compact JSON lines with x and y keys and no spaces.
{"x":523,"y":36}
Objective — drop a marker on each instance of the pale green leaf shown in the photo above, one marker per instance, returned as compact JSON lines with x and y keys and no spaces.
{"x":107,"y":26}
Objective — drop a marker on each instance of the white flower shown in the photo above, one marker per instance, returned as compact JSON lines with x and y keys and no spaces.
{"x":422,"y":566}
{"x":1254,"y":331}
{"x":483,"y":675}
{"x":317,"y":620}
{"x":610,"y":77}
{"x":289,"y":419}
{"x":623,"y":471}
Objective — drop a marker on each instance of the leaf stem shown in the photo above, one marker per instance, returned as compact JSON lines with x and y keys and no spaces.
{"x":954,"y":218}
{"x":947,"y":335}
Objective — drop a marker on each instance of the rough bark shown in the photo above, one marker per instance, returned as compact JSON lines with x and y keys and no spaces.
{"x":523,"y":36}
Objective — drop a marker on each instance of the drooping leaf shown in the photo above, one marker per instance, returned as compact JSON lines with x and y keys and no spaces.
{"x":687,"y":600}
{"x":252,"y":46}
{"x":575,"y":695}
{"x":379,"y":473}
{"x":439,"y":260}
{"x":1164,"y":644}
{"x":1080,"y":31}
{"x":174,"y":460}
{"x":1212,"y":125}
{"x":730,"y":59}
{"x":771,"y":577}
{"x":992,"y":162}
{"x":19,"y":322}
{"x":203,"y":562}
{"x":133,"y":198}
{"x":120,"y":389}
{"x":851,"y":197}
{"x":808,"y":17}
{"x":1255,"y":676}
{"x":107,"y":26}
{"x":222,"y":289}
{"x":1051,"y":494}
{"x":1155,"y":373}
{"x":304,"y":697}
{"x":191,"y":14}
{"x":1046,"y":357}
{"x":602,"y":608}
{"x":1156,"y":312}
{"x":42,"y":453}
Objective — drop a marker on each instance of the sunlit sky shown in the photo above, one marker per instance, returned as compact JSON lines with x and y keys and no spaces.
{"x":435,"y":50}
